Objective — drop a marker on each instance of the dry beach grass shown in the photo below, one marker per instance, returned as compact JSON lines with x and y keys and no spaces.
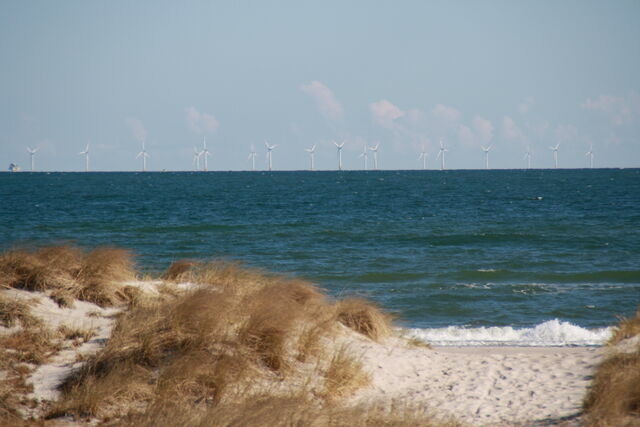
{"x":614,"y":398}
{"x":236,"y":334}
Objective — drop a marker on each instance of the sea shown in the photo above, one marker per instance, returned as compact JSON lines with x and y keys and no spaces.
{"x":461,"y":257}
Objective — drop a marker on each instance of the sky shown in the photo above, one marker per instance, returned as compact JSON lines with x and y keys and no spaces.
{"x":403,"y":75}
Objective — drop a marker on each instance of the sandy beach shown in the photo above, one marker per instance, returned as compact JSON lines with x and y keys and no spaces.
{"x":483,"y":385}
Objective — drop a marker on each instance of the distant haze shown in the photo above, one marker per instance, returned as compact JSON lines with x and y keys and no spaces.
{"x":399,"y":74}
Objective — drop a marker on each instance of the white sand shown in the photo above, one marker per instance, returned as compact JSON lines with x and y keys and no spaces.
{"x":481,"y":385}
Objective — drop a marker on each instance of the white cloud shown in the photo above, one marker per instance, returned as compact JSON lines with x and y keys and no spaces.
{"x":385,"y":113}
{"x":484,"y":129}
{"x":617,"y":108}
{"x":201,"y":122}
{"x":510,"y":130}
{"x":449,"y":115}
{"x":137,"y":128}
{"x":325,"y":100}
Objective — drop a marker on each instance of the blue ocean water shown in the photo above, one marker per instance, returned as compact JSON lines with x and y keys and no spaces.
{"x":465,"y":249}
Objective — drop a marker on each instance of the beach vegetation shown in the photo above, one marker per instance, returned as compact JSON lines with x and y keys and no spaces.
{"x":628,"y":327}
{"x":69,"y":273}
{"x":364,"y":317}
{"x":614,"y":396}
{"x":16,"y":312}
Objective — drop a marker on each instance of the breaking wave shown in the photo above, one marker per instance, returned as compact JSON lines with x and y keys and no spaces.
{"x":552,"y":333}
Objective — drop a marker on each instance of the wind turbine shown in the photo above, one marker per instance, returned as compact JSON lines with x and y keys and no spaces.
{"x":555,"y":154}
{"x":441,"y":155}
{"x":375,"y":156}
{"x":269,"y":154}
{"x":312,"y":153}
{"x":144,"y":156}
{"x":590,"y":153}
{"x":85,"y":153}
{"x":423,"y":156}
{"x":364,"y":155}
{"x":528,"y":157}
{"x":205,"y":153}
{"x":486,"y":155}
{"x":32,"y":152}
{"x":339,"y":154}
{"x":252,"y":157}
{"x":196,"y":158}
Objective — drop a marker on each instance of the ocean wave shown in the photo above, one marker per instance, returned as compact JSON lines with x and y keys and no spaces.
{"x":553,"y":333}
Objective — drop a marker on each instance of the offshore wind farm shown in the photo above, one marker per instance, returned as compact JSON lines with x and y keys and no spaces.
{"x":200,"y":158}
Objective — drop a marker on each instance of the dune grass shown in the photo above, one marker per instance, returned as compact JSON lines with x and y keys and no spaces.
{"x":614,"y":396}
{"x":364,"y":317}
{"x":344,"y":375}
{"x":627,"y":328}
{"x":69,"y":273}
{"x":14,"y":312}
{"x":291,"y":410}
{"x":236,"y":334}
{"x":237,"y":347}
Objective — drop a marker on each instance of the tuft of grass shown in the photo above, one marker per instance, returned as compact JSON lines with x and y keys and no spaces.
{"x":63,"y":297}
{"x":81,"y":335}
{"x":344,"y":375}
{"x":364,"y":317}
{"x":69,"y":273}
{"x":13,"y":311}
{"x":628,"y":327}
{"x":29,"y":345}
{"x":289,"y":410}
{"x":179,"y":271}
{"x":102,"y":271}
{"x":101,"y":396}
{"x":614,"y":396}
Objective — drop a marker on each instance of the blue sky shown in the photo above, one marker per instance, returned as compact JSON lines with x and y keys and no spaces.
{"x":401,"y":74}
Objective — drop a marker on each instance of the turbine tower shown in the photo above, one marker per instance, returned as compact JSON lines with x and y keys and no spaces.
{"x":364,"y":155}
{"x":590,"y":154}
{"x":144,"y":156}
{"x":441,"y":155}
{"x":269,"y":153}
{"x":486,"y":155}
{"x":375,"y":156}
{"x":555,"y":154}
{"x":205,"y":153}
{"x":252,"y":157}
{"x":423,"y":156}
{"x":32,"y":152}
{"x":339,"y":154}
{"x":85,"y":153}
{"x":528,"y":157}
{"x":196,"y":158}
{"x":312,"y":153}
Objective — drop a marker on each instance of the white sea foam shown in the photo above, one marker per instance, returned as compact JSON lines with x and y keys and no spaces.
{"x":550,"y":333}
